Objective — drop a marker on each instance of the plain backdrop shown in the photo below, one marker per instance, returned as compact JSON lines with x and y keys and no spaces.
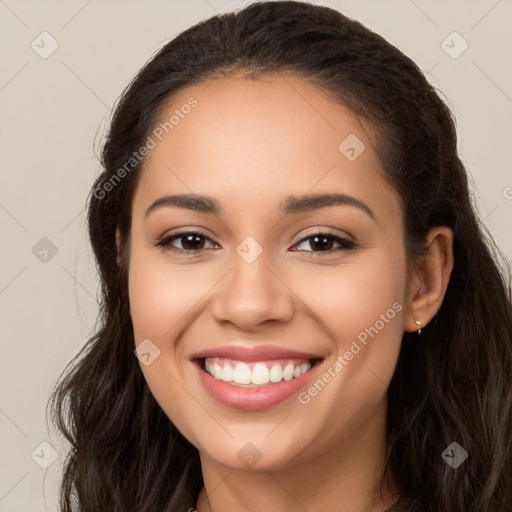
{"x":55,"y":108}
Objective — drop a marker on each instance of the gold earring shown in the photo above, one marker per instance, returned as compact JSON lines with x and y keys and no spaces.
{"x":418,"y":323}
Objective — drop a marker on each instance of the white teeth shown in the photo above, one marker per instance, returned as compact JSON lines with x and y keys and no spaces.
{"x":217,"y":371}
{"x":243,"y":374}
{"x":288,"y":372}
{"x":227,"y":373}
{"x":276,"y":373}
{"x":260,"y":375}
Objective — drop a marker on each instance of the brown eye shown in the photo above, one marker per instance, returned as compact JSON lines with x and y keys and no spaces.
{"x":323,"y":243}
{"x":189,"y":241}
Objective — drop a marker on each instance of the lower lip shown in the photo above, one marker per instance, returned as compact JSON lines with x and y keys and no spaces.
{"x":252,"y":398}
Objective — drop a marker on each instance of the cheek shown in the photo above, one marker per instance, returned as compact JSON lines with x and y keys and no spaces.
{"x":371,"y":314}
{"x":162,"y":298}
{"x":162,"y":295}
{"x":362,"y":305}
{"x":352,"y":297}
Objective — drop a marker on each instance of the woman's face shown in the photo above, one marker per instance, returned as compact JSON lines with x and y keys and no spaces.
{"x":300,"y":300}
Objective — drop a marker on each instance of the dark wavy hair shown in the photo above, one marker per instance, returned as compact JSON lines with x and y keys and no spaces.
{"x":452,"y":384}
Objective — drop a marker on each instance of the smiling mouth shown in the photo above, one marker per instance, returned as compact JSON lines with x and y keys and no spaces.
{"x":256,"y":373}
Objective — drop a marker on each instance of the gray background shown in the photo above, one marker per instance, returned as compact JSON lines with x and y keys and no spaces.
{"x":54,"y":113}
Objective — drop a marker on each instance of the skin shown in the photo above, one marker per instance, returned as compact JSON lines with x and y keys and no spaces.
{"x":250,"y":144}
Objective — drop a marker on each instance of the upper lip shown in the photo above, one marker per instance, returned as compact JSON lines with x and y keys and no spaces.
{"x":253,"y":353}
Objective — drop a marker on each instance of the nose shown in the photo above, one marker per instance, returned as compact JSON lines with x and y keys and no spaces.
{"x":251,"y":294}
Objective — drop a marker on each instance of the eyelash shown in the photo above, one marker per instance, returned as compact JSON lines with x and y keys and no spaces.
{"x":165,"y":242}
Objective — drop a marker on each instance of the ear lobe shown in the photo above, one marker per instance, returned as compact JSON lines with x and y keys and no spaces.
{"x":431,"y":278}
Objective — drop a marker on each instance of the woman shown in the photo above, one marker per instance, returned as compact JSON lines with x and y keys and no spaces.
{"x":300,"y":308}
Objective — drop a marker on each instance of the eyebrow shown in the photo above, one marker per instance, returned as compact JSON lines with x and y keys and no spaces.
{"x":291,"y":205}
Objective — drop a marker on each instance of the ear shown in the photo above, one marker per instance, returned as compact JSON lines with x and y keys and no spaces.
{"x":118,"y":247}
{"x":429,"y":279}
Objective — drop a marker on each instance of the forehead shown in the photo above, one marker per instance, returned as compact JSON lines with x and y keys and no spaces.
{"x":253,"y":140}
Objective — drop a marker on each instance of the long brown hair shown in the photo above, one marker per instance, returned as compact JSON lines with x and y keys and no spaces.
{"x":452,"y":385}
